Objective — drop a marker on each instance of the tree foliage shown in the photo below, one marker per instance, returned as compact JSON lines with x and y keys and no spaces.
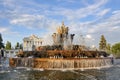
{"x":18,"y":46}
{"x":108,"y":48}
{"x":8,"y":45}
{"x":116,"y":48}
{"x":1,"y":42}
{"x":102,"y":44}
{"x":21,"y":46}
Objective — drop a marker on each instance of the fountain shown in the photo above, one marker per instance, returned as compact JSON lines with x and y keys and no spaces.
{"x":62,"y":55}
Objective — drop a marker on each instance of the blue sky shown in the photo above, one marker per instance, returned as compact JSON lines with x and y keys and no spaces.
{"x":90,"y":18}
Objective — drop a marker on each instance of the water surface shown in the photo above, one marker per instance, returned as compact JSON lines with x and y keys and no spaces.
{"x":7,"y":73}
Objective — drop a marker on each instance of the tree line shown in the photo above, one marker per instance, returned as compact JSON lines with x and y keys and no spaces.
{"x":8,"y":45}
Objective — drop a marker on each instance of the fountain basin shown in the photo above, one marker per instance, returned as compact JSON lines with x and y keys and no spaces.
{"x":67,"y":63}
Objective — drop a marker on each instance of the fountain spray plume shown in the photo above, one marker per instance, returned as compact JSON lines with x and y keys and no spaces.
{"x":63,"y":38}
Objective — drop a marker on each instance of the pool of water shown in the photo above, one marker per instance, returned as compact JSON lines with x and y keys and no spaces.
{"x":7,"y":73}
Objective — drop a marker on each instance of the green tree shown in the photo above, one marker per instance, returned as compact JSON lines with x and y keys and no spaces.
{"x":17,"y":45}
{"x":8,"y":45}
{"x":108,"y":48}
{"x":21,"y":46}
{"x":102,"y":44}
{"x":116,"y":49}
{"x":1,"y":42}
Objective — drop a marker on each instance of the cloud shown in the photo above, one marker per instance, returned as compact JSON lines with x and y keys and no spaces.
{"x":34,"y":21}
{"x":105,"y":24}
{"x":28,"y":20}
{"x":8,"y":31}
{"x":82,"y":12}
{"x":22,"y":15}
{"x":88,"y":36}
{"x":103,"y":12}
{"x":3,"y":30}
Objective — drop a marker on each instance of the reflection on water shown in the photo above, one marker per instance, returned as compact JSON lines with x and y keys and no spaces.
{"x":7,"y":73}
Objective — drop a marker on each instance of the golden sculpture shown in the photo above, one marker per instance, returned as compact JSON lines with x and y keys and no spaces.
{"x":63,"y":38}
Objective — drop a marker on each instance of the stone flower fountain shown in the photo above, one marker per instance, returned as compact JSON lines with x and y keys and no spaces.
{"x":62,"y":55}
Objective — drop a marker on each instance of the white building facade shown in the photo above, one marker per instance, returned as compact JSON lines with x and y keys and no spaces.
{"x":31,"y":43}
